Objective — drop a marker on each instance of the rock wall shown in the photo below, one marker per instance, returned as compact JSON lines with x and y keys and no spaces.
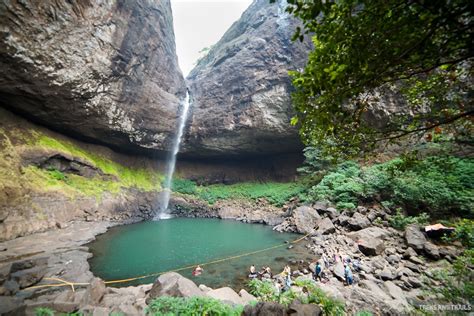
{"x":241,"y":89}
{"x":105,"y":70}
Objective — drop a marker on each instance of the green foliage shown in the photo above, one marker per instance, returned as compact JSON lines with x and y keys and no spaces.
{"x":184,"y":186}
{"x":464,"y":232}
{"x":436,"y":185}
{"x":360,"y":46}
{"x":265,"y":291}
{"x":57,"y":175}
{"x":170,"y":306}
{"x":274,"y":192}
{"x":400,"y":221}
{"x":43,"y":311}
{"x":456,"y":281}
{"x":364,"y":313}
{"x":128,"y":177}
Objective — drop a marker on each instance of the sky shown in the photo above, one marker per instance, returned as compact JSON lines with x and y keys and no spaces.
{"x":201,"y":23}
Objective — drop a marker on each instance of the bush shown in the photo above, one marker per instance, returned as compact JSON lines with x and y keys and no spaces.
{"x":464,"y":232}
{"x":184,"y":186}
{"x":455,"y":283}
{"x":43,"y":311}
{"x":166,"y":305}
{"x":438,"y":185}
{"x":400,"y":221}
{"x":265,"y":291}
{"x":274,"y":192}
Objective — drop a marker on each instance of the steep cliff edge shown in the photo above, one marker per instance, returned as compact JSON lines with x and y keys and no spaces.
{"x":241,"y":89}
{"x":106,"y":71}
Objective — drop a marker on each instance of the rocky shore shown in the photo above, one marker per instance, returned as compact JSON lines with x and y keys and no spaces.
{"x":393,"y":265}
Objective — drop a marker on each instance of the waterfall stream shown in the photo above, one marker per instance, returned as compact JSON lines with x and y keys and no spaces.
{"x":171,"y":163}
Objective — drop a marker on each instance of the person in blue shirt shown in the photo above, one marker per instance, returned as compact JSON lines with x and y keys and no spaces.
{"x":317,"y":272}
{"x":348,"y":274}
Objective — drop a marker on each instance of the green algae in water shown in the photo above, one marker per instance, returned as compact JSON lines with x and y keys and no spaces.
{"x":149,"y":247}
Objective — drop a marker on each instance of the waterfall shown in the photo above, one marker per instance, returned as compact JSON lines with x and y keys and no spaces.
{"x":171,"y":163}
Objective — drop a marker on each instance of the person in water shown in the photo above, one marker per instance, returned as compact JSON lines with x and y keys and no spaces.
{"x":197,"y":271}
{"x":253,"y":272}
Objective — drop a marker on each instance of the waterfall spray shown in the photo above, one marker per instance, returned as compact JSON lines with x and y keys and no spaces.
{"x":171,"y":163}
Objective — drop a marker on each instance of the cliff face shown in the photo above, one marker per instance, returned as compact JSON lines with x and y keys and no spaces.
{"x":102,"y":70}
{"x":241,"y":89}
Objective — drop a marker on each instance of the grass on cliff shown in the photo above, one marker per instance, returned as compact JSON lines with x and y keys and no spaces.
{"x":127,"y":177}
{"x":274,"y":192}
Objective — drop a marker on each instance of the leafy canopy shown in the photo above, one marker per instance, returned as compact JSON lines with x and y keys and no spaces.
{"x":364,"y":49}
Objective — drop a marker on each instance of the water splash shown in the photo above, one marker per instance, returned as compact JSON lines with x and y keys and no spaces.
{"x":171,"y":163}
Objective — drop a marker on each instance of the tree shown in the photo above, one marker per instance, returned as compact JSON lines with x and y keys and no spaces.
{"x":420,"y":48}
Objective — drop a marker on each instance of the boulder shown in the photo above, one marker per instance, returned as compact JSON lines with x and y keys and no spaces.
{"x":265,"y":309}
{"x":372,"y":232}
{"x":226,"y":295}
{"x":358,"y":222}
{"x":338,"y":271}
{"x":371,"y":247}
{"x":394,"y":291}
{"x":246,"y":297}
{"x":173,"y":284}
{"x":387,"y":274}
{"x":306,"y":218}
{"x":432,"y":251}
{"x":325,"y":227}
{"x":296,"y":308}
{"x":414,"y":237}
{"x":94,"y":293}
{"x":409,"y":253}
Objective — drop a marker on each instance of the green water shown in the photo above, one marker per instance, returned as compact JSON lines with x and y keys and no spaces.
{"x":148,"y":247}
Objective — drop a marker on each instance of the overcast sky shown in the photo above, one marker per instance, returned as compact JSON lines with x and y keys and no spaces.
{"x":201,"y":23}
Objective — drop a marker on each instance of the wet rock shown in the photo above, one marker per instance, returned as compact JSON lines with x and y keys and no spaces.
{"x":414,"y":237}
{"x":358,"y":222}
{"x":306,"y":218}
{"x":173,"y":284}
{"x":371,"y":247}
{"x":325,"y":227}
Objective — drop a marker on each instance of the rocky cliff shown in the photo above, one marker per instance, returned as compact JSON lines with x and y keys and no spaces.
{"x":102,"y":70}
{"x":241,"y":89}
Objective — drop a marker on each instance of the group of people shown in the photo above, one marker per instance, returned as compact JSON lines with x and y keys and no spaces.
{"x":265,"y":272}
{"x":326,"y":261}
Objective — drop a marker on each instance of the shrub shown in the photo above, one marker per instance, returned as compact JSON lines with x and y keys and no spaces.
{"x":265,"y":291}
{"x":43,"y":311}
{"x":400,"y":221}
{"x":464,"y":232}
{"x":455,"y":284}
{"x":438,"y":185}
{"x":193,"y":306}
{"x":274,"y":192}
{"x":184,"y":186}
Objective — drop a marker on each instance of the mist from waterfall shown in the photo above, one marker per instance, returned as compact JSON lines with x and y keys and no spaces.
{"x":171,"y":163}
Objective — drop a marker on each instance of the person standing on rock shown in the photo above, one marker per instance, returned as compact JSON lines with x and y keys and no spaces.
{"x":317,"y":272}
{"x":348,"y":274}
